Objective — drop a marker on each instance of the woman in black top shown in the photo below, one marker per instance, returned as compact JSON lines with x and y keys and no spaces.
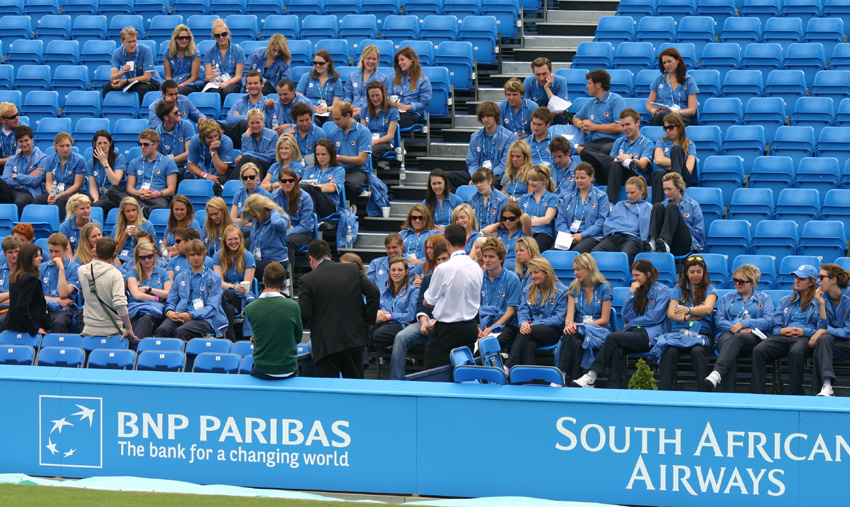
{"x":27,"y":308}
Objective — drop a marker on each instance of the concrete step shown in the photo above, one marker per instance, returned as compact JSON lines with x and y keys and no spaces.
{"x":444,"y":163}
{"x":466,"y":121}
{"x":459,"y":135}
{"x":399,"y":208}
{"x":408,"y":193}
{"x":416,"y":178}
{"x":555,"y":55}
{"x":495,"y":94}
{"x":370,"y":240}
{"x":554,"y":42}
{"x":585,"y":28}
{"x":577,"y":16}
{"x":455,"y":150}
{"x":381,"y":224}
{"x":522,"y":69}
{"x":608,"y":6}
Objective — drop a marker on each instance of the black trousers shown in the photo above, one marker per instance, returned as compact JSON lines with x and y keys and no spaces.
{"x":144,"y":325}
{"x":571,"y":355}
{"x":613,"y":354}
{"x":621,"y":244}
{"x":667,"y":223}
{"x":658,"y":119}
{"x":186,"y":331}
{"x":383,"y":334}
{"x":670,"y":364}
{"x":140,"y":88}
{"x":407,"y":119}
{"x":585,"y":245}
{"x":729,"y":347}
{"x":61,"y":321}
{"x":458,"y":178}
{"x":677,"y":165}
{"x":19,"y":198}
{"x":775,"y":347}
{"x":602,"y":145}
{"x":261,"y":164}
{"x":827,"y":350}
{"x":187,"y":89}
{"x":296,"y":241}
{"x":544,"y":241}
{"x":378,"y":152}
{"x":524,"y":349}
{"x":231,"y":303}
{"x":347,"y":363}
{"x":608,"y":172}
{"x":447,"y":336}
{"x":355,"y":180}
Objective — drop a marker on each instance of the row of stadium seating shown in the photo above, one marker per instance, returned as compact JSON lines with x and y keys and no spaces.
{"x":720,"y":10}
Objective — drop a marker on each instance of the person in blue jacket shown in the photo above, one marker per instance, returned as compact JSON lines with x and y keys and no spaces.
{"x":64,"y":168}
{"x":353,"y":143}
{"x":488,"y":202}
{"x":250,"y":176}
{"x":355,"y":89}
{"x":600,"y":117}
{"x":235,"y":265}
{"x":645,"y":318}
{"x":398,"y":305}
{"x":673,"y":88}
{"x":326,"y":180}
{"x":564,"y":165}
{"x":513,"y":224}
{"x":287,"y":154}
{"x":501,"y":292}
{"x":832,"y":340}
{"x":588,"y":314}
{"x":410,"y":86}
{"x":795,"y":320}
{"x":179,"y":263}
{"x":299,"y":206}
{"x":211,"y":154}
{"x":516,"y":110}
{"x":132,"y":63}
{"x":540,"y":315}
{"x":543,"y":84}
{"x":627,"y":227}
{"x":9,"y":121}
{"x":268,"y":234}
{"x":739,"y":315}
{"x":258,"y":144}
{"x":691,"y":303}
{"x":186,"y":108}
{"x":23,"y":174}
{"x":379,"y":269}
{"x":382,"y":122}
{"x":416,"y":228}
{"x":78,"y":214}
{"x":182,"y":61}
{"x":193,"y":307}
{"x":278,"y":112}
{"x":582,"y":212}
{"x":515,"y":178}
{"x":674,"y":153}
{"x":106,"y":169}
{"x":676,"y":225}
{"x":541,"y":204}
{"x":148,"y":285}
{"x":488,"y":147}
{"x":306,"y":132}
{"x":322,"y":86}
{"x":464,"y":217}
{"x":223,"y":62}
{"x":630,"y":155}
{"x":439,"y":199}
{"x":272,"y":62}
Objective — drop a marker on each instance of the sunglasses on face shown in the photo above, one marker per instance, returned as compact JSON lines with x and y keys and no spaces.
{"x":146,"y":257}
{"x":177,"y":241}
{"x":318,"y":64}
{"x":738,"y":281}
{"x":182,"y":37}
{"x":221,"y":35}
{"x":249,"y":177}
{"x":821,"y":277}
{"x":668,"y":128}
{"x":288,"y":180}
{"x":145,"y":145}
{"x":508,"y":219}
{"x":11,"y":117}
{"x":416,"y":217}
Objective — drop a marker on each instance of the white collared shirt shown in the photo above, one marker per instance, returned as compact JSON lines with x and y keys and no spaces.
{"x":455,"y":289}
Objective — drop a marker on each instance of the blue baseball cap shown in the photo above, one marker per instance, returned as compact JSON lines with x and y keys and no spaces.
{"x":805,"y":271}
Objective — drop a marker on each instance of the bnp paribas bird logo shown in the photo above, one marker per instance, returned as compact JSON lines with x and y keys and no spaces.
{"x":71,"y":431}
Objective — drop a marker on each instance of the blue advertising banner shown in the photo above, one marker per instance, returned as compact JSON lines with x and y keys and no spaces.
{"x":626,"y":447}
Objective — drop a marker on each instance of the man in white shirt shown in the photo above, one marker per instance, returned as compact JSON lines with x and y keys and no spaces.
{"x":455,"y":295}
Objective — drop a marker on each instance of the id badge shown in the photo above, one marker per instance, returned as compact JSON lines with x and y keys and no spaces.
{"x":587,"y":319}
{"x":487,"y":164}
{"x":146,"y":186}
{"x":125,"y":253}
{"x":61,"y":187}
{"x":257,"y":253}
{"x":412,"y":255}
{"x":575,"y":226}
{"x":198,"y":303}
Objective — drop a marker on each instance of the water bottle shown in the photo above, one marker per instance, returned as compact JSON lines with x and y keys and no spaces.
{"x":745,"y":315}
{"x":275,"y":123}
{"x":217,"y":73}
{"x":54,"y":189}
{"x":164,"y":251}
{"x":349,"y":237}
{"x":402,"y":174}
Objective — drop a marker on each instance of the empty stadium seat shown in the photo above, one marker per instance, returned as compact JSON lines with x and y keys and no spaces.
{"x":745,"y":141}
{"x":767,"y":112}
{"x":677,"y":8}
{"x":62,"y":52}
{"x":815,"y":112}
{"x":803,"y":9}
{"x":836,"y":206}
{"x":111,"y":8}
{"x":161,"y":360}
{"x":798,"y":204}
{"x":752,"y":205}
{"x":783,"y":30}
{"x":593,"y":55}
{"x":789,"y":85}
{"x":776,"y":238}
{"x":826,"y":31}
{"x":457,"y":57}
{"x":696,"y":30}
{"x":53,"y":27}
{"x":821,"y":174}
{"x":44,"y":219}
{"x":190,"y":7}
{"x":725,"y":173}
{"x":687,"y":50}
{"x":229,"y":8}
{"x":722,"y":57}
{"x":400,"y":28}
{"x":24,"y":52}
{"x":32,"y":77}
{"x":823,"y":238}
{"x":112,"y":359}
{"x":289,"y":25}
{"x":637,"y":8}
{"x":743,"y":84}
{"x":794,"y":142}
{"x":81,"y":104}
{"x":482,"y":33}
{"x":656,"y":30}
{"x":729,"y":237}
{"x":634,"y":56}
{"x":96,"y":53}
{"x":89,"y":27}
{"x":764,"y":57}
{"x":614,"y":266}
{"x":125,"y":132}
{"x":41,"y":105}
{"x":437,"y":29}
{"x":243,"y":27}
{"x":84,"y":131}
{"x":121,"y":21}
{"x":710,"y":202}
{"x":615,"y":29}
{"x":338,"y":48}
{"x":722,"y":112}
{"x":17,"y":354}
{"x":69,"y":357}
{"x":506,"y":13}
{"x":840,"y":59}
{"x":356,"y":27}
{"x":68,"y":78}
{"x":717,"y":267}
{"x":744,"y":30}
{"x":708,"y":138}
{"x":808,"y":57}
{"x":775,"y":173}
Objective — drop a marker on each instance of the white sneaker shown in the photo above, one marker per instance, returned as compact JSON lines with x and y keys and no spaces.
{"x":826,"y":391}
{"x":585,"y":381}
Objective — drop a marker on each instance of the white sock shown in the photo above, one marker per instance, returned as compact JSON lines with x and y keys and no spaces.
{"x":591,"y":375}
{"x":827,"y":382}
{"x":714,"y":378}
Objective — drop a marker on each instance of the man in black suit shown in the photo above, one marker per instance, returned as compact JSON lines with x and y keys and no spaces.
{"x":331,"y":300}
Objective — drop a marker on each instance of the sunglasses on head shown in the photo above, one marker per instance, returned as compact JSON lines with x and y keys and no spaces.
{"x":146,"y":257}
{"x":249,"y":177}
{"x":695,"y":258}
{"x":221,"y":35}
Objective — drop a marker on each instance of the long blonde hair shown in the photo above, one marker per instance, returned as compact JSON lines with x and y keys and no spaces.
{"x":143,"y":246}
{"x":262,"y":206}
{"x":466,"y":208}
{"x":293,"y":147}
{"x":121,"y":223}
{"x":548,"y":290}
{"x":279,"y":40}
{"x":191,"y":49}
{"x":529,"y":245}
{"x":212,"y":230}
{"x":229,"y":258}
{"x":74,"y":202}
{"x":518,"y":174}
{"x":594,"y":276}
{"x":85,"y":253}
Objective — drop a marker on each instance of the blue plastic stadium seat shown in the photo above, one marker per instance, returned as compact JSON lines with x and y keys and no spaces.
{"x":400,"y":28}
{"x":197,"y":191}
{"x":118,"y":105}
{"x":723,"y":172}
{"x":121,"y":21}
{"x":111,"y":8}
{"x":697,"y":30}
{"x":112,"y":359}
{"x":785,"y":276}
{"x":13,"y":28}
{"x":457,"y":57}
{"x":506,"y":13}
{"x":832,"y":83}
{"x":40,"y":104}
{"x":355,"y":27}
{"x":827,"y":31}
{"x":190,"y":7}
{"x":441,"y":90}
{"x":593,"y":55}
{"x":677,"y":8}
{"x":84,"y":131}
{"x":842,"y":115}
{"x":438,"y":28}
{"x":11,"y":7}
{"x":708,"y":82}
{"x":201,"y":25}
{"x":721,"y":56}
{"x":7,"y":77}
{"x":13,"y":96}
{"x":96,"y":53}
{"x":47,"y":129}
{"x":783,"y":30}
{"x":461,"y":8}
{"x":717,"y":267}
{"x":744,"y":30}
{"x":836,"y":206}
{"x":799,"y":205}
{"x":656,"y":29}
{"x":615,"y":29}
{"x":338,"y":48}
{"x":482,"y":33}
{"x":637,"y":8}
{"x":69,"y":357}
{"x":634,"y":56}
{"x":226,"y":9}
{"x":833,"y":142}
{"x":707,"y":137}
{"x":762,"y":9}
{"x":53,"y":27}
{"x":125,"y":132}
{"x":32,"y":77}
{"x":803,"y":9}
{"x":23,"y":52}
{"x":687,"y":50}
{"x":722,"y":112}
{"x":775,"y":173}
{"x":809,"y":57}
{"x":729,"y":237}
{"x":161,"y":360}
{"x":80,"y":104}
{"x":766,"y":265}
{"x":642,"y":82}
{"x":386,"y":51}
{"x":89,"y":27}
{"x":242,"y":27}
{"x":288,"y":25}
{"x":162,"y":27}
{"x":561,"y":261}
{"x":789,"y":85}
{"x":823,"y":238}
{"x":315,"y":28}
{"x":17,"y":354}
{"x":43,"y":217}
{"x":794,"y":142}
{"x":62,"y":53}
{"x":422,"y":8}
{"x":743,"y":84}
{"x":614,"y":266}
{"x":777,"y":238}
{"x":665,"y":263}
{"x":752,"y":205}
{"x":764,"y":57}
{"x":710,"y":202}
{"x":746,"y":142}
{"x":768,"y":112}
{"x":821,"y":173}
{"x":840,"y":59}
{"x":816,"y":112}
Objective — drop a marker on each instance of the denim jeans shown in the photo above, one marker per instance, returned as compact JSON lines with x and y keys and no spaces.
{"x":404,"y":340}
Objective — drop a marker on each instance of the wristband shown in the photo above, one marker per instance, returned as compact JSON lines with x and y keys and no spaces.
{"x":156,"y":298}
{"x":203,"y":175}
{"x":689,"y":310}
{"x":167,"y":312}
{"x":158,"y":193}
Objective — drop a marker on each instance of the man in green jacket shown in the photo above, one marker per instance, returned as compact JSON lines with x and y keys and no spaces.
{"x":276,"y":322}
